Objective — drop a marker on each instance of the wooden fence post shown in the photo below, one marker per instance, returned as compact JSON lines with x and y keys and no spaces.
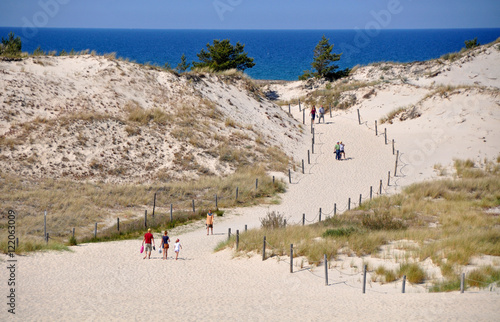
{"x":359,"y":118}
{"x":330,"y":110}
{"x":95,"y":231}
{"x":404,"y":284}
{"x":303,"y":219}
{"x":389,"y":178}
{"x":371,"y":192}
{"x":289,"y":111}
{"x":385,"y":135}
{"x":171,"y":213}
{"x":462,"y":283}
{"x":334,"y":209}
{"x":216,"y":201}
{"x":380,"y":193}
{"x":349,"y":204}
{"x":289,"y":176}
{"x":360,"y":199}
{"x":236,"y":193}
{"x":193,"y":207}
{"x":308,"y":157}
{"x":396,"y":166}
{"x":393,"y":147}
{"x":73,"y":231}
{"x":326,"y":266}
{"x":256,"y":183}
{"x":154,"y":206}
{"x":228,"y":233}
{"x":303,"y":116}
{"x":364,"y":279}
{"x":264,"y":249}
{"x":245,"y":227}
{"x":237,"y":239}
{"x":319,"y":214}
{"x":299,"y":104}
{"x":146,"y":218}
{"x":118,"y":224}
{"x":291,"y":258}
{"x":47,"y":236}
{"x":302,"y":166}
{"x":45,"y":225}
{"x":376,"y":130}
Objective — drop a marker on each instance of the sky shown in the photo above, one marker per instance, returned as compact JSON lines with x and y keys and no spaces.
{"x":251,"y":14}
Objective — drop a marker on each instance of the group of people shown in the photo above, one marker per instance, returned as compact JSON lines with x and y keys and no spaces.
{"x":321,"y":114}
{"x":149,"y":244}
{"x":339,"y":151}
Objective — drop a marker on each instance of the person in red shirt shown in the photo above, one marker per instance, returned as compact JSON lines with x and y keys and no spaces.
{"x":148,"y":238}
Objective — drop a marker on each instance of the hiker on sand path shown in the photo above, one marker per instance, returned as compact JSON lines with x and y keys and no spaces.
{"x":148,"y":237}
{"x":210,"y":222}
{"x":164,"y":244}
{"x":313,"y":114}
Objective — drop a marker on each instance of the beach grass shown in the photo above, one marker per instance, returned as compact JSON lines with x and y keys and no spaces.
{"x":446,"y":219}
{"x":71,"y":204}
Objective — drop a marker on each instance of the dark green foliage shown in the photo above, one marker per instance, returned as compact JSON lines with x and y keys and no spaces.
{"x":11,"y":46}
{"x":72,"y":241}
{"x":472,"y":43}
{"x":183,"y":65}
{"x":223,"y":56}
{"x":339,"y":232}
{"x":324,"y":63}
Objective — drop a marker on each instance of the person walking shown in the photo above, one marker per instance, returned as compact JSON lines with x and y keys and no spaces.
{"x":313,"y":114}
{"x":341,"y":148}
{"x":164,"y":244}
{"x":177,"y":247}
{"x":210,"y":221}
{"x":148,"y":238}
{"x":321,"y":114}
{"x":337,"y":151}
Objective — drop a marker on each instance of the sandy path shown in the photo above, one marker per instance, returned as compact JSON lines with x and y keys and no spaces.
{"x":110,"y":281}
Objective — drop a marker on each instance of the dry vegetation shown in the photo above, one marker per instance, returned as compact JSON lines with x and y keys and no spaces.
{"x":447,"y":219}
{"x":73,"y":204}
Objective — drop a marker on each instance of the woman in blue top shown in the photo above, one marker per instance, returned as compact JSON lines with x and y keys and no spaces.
{"x":164,"y":244}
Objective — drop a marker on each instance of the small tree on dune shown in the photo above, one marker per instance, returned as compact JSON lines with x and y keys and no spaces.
{"x":324,"y":62}
{"x":183,"y":65}
{"x":472,"y":43}
{"x":222,"y":56}
{"x":11,"y":46}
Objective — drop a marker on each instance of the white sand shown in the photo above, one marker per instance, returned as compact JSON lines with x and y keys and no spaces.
{"x":111,"y":281}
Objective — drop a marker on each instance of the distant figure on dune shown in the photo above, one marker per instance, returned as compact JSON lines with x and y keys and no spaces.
{"x":337,"y":151}
{"x":210,"y":221}
{"x":313,"y":114}
{"x":148,"y":238}
{"x":342,"y":152}
{"x":321,"y":114}
{"x":164,"y":244}
{"x":177,"y":247}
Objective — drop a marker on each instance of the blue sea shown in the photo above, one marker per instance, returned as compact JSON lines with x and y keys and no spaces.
{"x":278,"y":54}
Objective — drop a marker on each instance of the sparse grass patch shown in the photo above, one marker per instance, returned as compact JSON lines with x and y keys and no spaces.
{"x":414,"y":273}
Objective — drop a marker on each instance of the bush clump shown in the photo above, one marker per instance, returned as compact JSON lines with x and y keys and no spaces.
{"x":273,"y":220}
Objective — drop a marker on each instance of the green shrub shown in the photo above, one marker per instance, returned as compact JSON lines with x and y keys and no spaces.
{"x":414,"y":273}
{"x":72,"y":241}
{"x":339,"y":232}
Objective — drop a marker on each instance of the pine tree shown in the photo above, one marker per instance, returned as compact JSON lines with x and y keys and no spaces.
{"x":323,"y":62}
{"x":183,"y":65}
{"x":11,"y":46}
{"x":222,"y":56}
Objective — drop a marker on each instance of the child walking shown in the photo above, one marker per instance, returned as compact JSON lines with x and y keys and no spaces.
{"x":177,"y":246}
